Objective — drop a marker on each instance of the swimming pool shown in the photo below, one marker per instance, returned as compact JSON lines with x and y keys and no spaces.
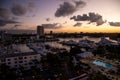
{"x":101,"y":63}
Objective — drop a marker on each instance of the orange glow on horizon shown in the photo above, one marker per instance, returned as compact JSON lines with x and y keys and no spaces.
{"x":106,"y":29}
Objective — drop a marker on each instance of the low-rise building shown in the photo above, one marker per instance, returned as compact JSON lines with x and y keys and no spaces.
{"x":85,"y":55}
{"x":16,"y":59}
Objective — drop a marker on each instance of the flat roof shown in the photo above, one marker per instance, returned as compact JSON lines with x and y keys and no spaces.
{"x":22,"y":50}
{"x":17,"y":54}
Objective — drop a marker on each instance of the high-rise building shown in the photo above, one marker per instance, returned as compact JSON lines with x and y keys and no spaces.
{"x":40,"y":31}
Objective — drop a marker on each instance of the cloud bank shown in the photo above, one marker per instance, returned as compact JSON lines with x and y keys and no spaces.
{"x":117,"y":24}
{"x":52,"y":26}
{"x":17,"y":9}
{"x":77,"y":24}
{"x":91,"y":17}
{"x":5,"y":22}
{"x":68,"y":8}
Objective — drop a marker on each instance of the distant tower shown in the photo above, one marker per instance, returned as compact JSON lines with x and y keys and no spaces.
{"x":40,"y":31}
{"x":51,"y":32}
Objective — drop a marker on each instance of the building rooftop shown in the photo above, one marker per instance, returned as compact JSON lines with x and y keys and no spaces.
{"x":17,"y":54}
{"x":15,"y":50}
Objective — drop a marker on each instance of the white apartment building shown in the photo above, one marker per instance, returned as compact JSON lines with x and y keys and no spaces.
{"x":24,"y":59}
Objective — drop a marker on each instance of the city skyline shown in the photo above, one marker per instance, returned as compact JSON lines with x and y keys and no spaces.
{"x":61,"y":15}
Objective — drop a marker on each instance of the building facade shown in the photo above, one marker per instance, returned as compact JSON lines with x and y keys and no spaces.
{"x":16,"y":56}
{"x":40,"y":31}
{"x":26,"y":60}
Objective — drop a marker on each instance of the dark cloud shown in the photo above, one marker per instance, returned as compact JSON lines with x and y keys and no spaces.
{"x":15,"y":18}
{"x":65,"y":10}
{"x":48,"y":19}
{"x":68,"y":8}
{"x":114,"y":24}
{"x":19,"y":9}
{"x":79,"y":3}
{"x":65,"y":22}
{"x":4,"y":13}
{"x":5,"y":22}
{"x":16,"y":25}
{"x":84,"y":17}
{"x":77,"y":24}
{"x":52,"y":26}
{"x":96,"y":18}
{"x":74,"y":18}
{"x":92,"y":17}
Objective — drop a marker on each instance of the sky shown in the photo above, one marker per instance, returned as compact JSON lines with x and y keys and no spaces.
{"x":61,"y":15}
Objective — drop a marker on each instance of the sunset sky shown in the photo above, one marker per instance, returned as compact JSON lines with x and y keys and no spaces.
{"x":61,"y":15}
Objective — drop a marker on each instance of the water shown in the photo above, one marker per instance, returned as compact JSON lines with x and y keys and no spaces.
{"x":57,"y":45}
{"x":23,"y":48}
{"x":101,"y":63}
{"x":78,"y":39}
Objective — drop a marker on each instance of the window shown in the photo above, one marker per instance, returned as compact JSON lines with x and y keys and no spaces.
{"x":15,"y":58}
{"x":25,"y":57}
{"x":15,"y":61}
{"x":25,"y":61}
{"x":20,"y":57}
{"x":15,"y":65}
{"x":9,"y":62}
{"x":20,"y":61}
{"x":8,"y":59}
{"x":35,"y":56}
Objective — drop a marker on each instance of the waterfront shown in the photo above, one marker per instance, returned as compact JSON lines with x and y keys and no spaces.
{"x":76,"y":60}
{"x":58,"y":45}
{"x":55,"y":44}
{"x":78,"y":39}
